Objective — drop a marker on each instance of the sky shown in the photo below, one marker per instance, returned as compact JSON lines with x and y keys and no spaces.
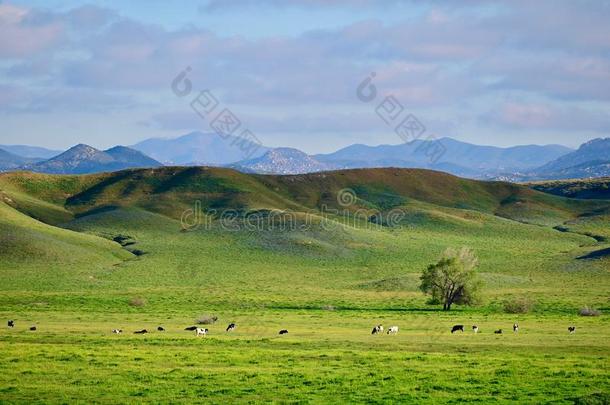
{"x":505,"y":72}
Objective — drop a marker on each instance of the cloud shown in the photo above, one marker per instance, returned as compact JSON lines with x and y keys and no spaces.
{"x":220,"y":5}
{"x":444,"y":56}
{"x":11,"y":95}
{"x":547,"y":117}
{"x":22,"y":35}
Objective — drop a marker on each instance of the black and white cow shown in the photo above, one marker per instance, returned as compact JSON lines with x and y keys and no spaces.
{"x":11,"y":324}
{"x":117,"y":331}
{"x":392,"y":330}
{"x":283,"y":332}
{"x":141,"y":332}
{"x":515,"y":327}
{"x":201,"y":332}
{"x":498,"y":332}
{"x":571,"y":329}
{"x":475,"y":328}
{"x":377,"y":329}
{"x":457,"y":327}
{"x":231,"y":327}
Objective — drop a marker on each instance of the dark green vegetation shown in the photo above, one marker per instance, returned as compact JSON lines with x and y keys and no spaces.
{"x":67,"y":265}
{"x":598,"y":188}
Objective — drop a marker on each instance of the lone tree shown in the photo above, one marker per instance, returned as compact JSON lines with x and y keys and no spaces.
{"x":453,"y":280}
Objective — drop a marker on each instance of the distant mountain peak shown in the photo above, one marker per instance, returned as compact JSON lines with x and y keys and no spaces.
{"x":594,"y":152}
{"x":83,"y":158}
{"x":198,"y":148}
{"x":283,"y":161}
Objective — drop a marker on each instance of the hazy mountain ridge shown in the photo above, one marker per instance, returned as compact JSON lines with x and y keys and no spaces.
{"x":197,"y":148}
{"x":456,"y":153}
{"x":26,"y":151}
{"x":10,"y":161}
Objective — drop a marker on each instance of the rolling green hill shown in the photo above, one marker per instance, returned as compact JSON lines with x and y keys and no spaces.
{"x":501,"y":218}
{"x":166,"y":190}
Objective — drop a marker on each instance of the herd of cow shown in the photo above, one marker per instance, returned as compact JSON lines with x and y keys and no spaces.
{"x":475,"y":329}
{"x":377,"y":329}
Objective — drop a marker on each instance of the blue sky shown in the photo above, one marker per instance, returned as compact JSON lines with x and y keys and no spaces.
{"x":490,"y":72}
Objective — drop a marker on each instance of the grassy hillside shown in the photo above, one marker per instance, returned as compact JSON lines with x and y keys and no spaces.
{"x":326,"y":280}
{"x":39,"y":256}
{"x":524,"y":237}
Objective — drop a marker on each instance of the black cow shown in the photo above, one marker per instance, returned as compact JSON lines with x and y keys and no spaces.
{"x":141,"y":332}
{"x":33,"y":328}
{"x":283,"y":332}
{"x":231,"y":327}
{"x":11,"y":323}
{"x":456,"y":328}
{"x":571,"y":329}
{"x":160,"y":328}
{"x":498,"y":332}
{"x":191,"y":328}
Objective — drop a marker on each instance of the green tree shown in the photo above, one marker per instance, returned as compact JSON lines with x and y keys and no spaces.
{"x":453,"y":279}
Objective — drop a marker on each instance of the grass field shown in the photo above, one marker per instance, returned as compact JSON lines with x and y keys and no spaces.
{"x":327,"y":285}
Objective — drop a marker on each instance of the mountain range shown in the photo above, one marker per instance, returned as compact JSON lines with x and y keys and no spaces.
{"x":461,"y":156}
{"x":518,"y":163}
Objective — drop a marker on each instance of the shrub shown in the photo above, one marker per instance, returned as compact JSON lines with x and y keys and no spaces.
{"x":433,"y":301}
{"x":587,"y":311}
{"x":207,"y":319}
{"x":137,"y":302}
{"x":519,"y":305}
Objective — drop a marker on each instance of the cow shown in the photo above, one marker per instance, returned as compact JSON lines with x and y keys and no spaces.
{"x":475,"y":328}
{"x":231,"y":327}
{"x":515,"y":327}
{"x":117,"y":331}
{"x":33,"y":328}
{"x":498,"y":332}
{"x":377,"y":329}
{"x":283,"y":332}
{"x":456,"y":328}
{"x":160,"y":328}
{"x":141,"y":332}
{"x":201,"y":332}
{"x":190,"y":328}
{"x":11,"y":324}
{"x":571,"y":329}
{"x":393,"y":330}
